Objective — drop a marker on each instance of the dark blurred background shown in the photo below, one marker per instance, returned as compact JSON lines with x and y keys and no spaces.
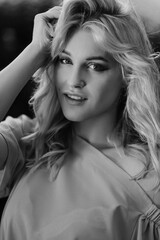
{"x":16,"y":24}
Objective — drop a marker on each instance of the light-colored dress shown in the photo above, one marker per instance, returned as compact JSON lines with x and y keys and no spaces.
{"x":91,"y":199}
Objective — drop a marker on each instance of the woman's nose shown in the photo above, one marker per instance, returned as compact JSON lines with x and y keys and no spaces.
{"x":80,"y":84}
{"x":77,"y":78}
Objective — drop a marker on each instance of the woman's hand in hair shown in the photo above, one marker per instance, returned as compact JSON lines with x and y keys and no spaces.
{"x":43,"y":30}
{"x":14,"y":77}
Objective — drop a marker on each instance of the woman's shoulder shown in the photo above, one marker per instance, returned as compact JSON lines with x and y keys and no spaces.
{"x":19,"y":126}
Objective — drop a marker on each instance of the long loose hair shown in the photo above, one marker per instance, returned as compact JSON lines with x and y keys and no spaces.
{"x":118,"y":30}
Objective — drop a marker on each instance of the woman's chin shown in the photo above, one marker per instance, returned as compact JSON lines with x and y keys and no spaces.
{"x":74,"y":117}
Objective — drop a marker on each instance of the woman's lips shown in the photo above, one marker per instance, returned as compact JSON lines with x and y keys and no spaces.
{"x":74,"y":99}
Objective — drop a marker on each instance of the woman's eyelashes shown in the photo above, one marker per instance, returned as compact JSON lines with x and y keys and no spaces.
{"x":93,"y":66}
{"x":98,"y":67}
{"x":64,"y":60}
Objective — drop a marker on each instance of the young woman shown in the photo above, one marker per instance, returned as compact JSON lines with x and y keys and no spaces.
{"x":87,"y":166}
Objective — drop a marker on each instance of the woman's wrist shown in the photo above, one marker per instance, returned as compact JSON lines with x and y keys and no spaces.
{"x":37,"y":54}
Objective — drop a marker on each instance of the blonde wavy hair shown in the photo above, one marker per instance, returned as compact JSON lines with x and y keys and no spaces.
{"x":117,"y":29}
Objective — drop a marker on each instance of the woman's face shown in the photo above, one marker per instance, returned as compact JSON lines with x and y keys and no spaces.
{"x":88,"y":81}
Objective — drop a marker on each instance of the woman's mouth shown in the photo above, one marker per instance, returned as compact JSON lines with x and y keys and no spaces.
{"x":74,"y":99}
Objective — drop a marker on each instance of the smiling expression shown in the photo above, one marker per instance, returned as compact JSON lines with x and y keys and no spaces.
{"x":88,"y":80}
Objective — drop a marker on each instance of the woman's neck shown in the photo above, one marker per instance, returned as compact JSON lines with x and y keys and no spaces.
{"x":98,"y":132}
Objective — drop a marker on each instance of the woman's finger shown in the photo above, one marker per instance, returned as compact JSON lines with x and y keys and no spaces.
{"x":52,"y":13}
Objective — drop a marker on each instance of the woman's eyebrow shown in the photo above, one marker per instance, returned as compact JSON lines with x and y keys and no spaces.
{"x":97,"y":58}
{"x":89,"y":58}
{"x":66,"y":52}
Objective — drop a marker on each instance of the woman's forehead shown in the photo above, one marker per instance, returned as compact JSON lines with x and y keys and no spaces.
{"x":83,"y":43}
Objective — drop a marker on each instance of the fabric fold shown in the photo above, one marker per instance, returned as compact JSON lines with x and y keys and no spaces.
{"x":148,"y":225}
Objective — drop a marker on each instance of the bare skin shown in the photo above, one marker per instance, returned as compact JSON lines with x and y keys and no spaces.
{"x":14,"y":77}
{"x":89,"y":73}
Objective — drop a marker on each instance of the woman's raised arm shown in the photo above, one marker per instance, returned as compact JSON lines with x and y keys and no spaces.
{"x":14,"y":77}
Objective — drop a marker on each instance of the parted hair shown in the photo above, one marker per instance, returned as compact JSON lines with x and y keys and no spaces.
{"x":118,"y":30}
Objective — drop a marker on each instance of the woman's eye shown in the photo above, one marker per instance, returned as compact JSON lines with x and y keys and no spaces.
{"x":64,"y":60}
{"x":97,"y":67}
